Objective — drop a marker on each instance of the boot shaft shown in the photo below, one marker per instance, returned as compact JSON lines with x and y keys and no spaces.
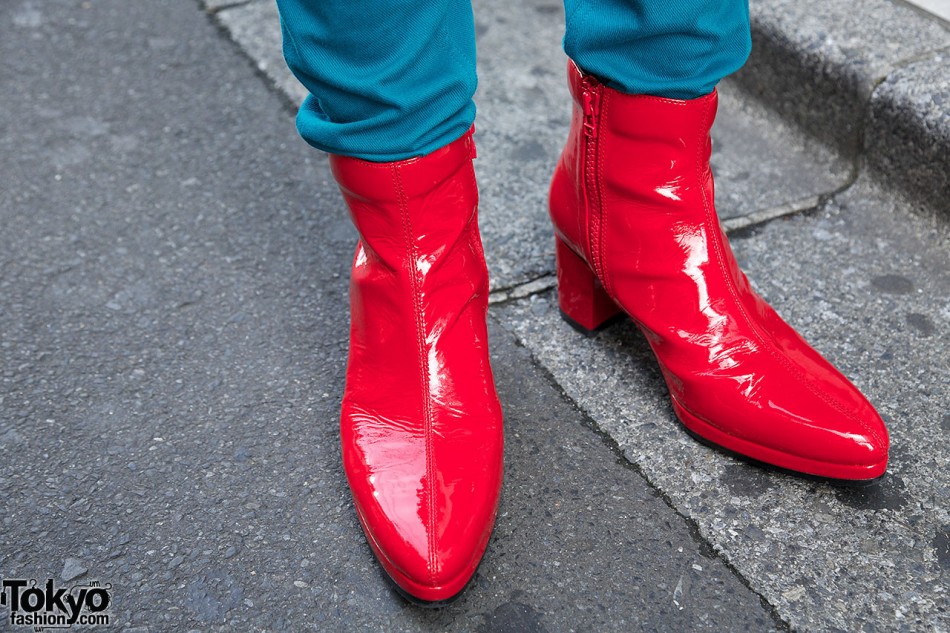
{"x":414,"y":207}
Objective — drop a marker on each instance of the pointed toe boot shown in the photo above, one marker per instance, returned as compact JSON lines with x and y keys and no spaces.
{"x":421,"y":425}
{"x":637,"y":232}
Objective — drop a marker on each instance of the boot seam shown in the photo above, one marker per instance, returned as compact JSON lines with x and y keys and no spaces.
{"x":424,"y":378}
{"x":472,"y":223}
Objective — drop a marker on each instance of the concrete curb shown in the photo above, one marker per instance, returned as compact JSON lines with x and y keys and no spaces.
{"x":871,"y":79}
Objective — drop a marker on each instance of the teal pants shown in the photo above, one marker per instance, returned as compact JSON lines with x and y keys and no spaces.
{"x":392,"y":79}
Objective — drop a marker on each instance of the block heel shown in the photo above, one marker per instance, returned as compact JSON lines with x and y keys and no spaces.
{"x":584,"y":303}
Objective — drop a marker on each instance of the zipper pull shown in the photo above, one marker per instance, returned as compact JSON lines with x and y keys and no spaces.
{"x":470,"y":143}
{"x":590,"y":96}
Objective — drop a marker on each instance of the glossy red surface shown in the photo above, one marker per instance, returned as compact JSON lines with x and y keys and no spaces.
{"x":421,"y":425}
{"x":632,"y":206}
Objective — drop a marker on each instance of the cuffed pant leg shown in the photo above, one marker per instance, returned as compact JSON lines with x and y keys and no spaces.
{"x":388,"y":79}
{"x":679,"y":50}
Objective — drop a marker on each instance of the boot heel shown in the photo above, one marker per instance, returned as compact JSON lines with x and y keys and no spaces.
{"x":584,"y":303}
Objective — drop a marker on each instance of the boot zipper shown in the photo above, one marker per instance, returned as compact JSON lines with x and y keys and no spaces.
{"x":590,"y":96}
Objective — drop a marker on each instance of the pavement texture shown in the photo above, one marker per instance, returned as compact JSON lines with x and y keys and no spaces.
{"x":173,"y":274}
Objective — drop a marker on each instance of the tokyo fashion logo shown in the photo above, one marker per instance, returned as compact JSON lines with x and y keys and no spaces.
{"x":49,"y":607}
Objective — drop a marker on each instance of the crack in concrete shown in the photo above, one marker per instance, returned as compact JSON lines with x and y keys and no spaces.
{"x":214,"y":10}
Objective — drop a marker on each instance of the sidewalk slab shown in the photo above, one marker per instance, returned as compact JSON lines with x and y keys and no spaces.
{"x":867,"y":281}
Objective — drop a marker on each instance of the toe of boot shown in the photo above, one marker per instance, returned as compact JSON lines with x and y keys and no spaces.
{"x":427,"y":511}
{"x":791,"y":425}
{"x":430,"y":551}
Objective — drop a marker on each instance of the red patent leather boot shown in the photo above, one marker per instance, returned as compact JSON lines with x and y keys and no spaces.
{"x":636,"y":230}
{"x":421,"y":424}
